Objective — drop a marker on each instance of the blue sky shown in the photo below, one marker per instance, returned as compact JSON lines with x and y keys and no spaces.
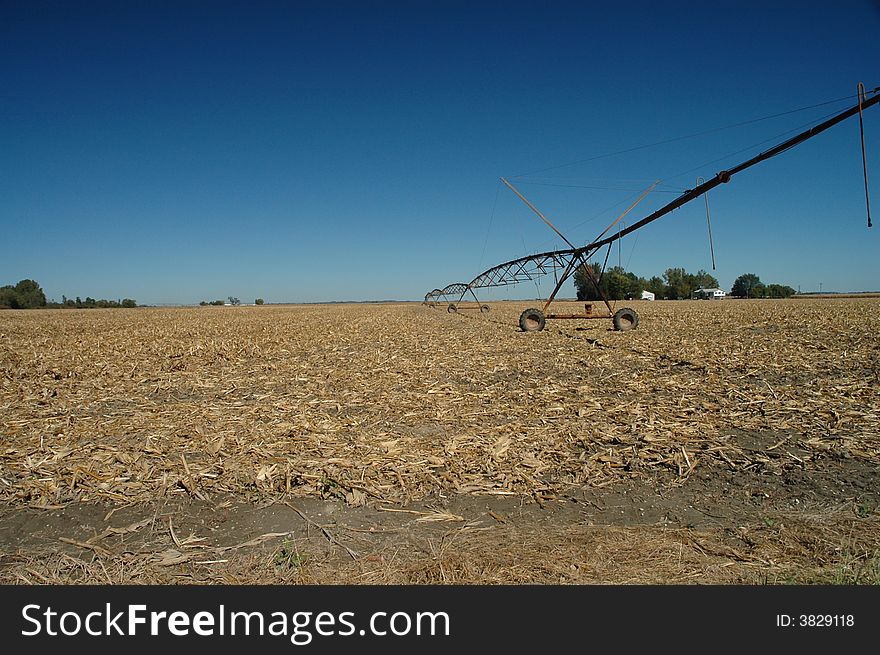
{"x":174,"y":152}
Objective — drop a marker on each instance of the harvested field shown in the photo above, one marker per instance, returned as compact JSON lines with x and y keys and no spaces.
{"x":720,"y":442}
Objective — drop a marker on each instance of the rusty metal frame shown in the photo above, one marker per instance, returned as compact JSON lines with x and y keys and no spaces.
{"x":432,"y":297}
{"x":452,"y":295}
{"x":566,"y":260}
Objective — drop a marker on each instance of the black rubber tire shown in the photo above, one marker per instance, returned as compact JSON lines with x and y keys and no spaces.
{"x":532,"y":320}
{"x":484,"y":309}
{"x":625,"y":319}
{"x":452,"y":308}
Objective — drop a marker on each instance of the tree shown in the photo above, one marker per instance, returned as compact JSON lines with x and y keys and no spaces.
{"x":8,"y":297}
{"x":656,"y":286}
{"x":586,"y":290}
{"x":259,"y":301}
{"x":619,"y":283}
{"x":779,"y":291}
{"x":748,"y":285}
{"x":27,"y":294}
{"x":616,"y":283}
{"x":30,"y":295}
{"x":679,"y":283}
{"x":704,"y":280}
{"x":234,"y":301}
{"x":128,"y":302}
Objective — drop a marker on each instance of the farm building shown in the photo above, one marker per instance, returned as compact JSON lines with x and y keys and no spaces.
{"x":647,"y":295}
{"x":708,"y":294}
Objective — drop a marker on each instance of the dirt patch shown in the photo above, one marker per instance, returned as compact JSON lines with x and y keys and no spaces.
{"x":718,"y":527}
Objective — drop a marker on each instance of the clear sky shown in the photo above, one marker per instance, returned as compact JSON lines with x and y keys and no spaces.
{"x":174,"y":152}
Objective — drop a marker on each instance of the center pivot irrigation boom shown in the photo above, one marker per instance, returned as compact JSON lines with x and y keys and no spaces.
{"x":563,"y":263}
{"x":452,"y":292}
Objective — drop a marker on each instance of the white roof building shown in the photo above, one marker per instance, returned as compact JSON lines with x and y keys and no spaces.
{"x":708,"y":294}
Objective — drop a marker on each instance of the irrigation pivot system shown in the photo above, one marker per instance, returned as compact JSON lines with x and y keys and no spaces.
{"x":563,"y":263}
{"x":458,"y":291}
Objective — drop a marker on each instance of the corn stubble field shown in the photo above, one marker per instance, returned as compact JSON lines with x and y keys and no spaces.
{"x":721,"y":442}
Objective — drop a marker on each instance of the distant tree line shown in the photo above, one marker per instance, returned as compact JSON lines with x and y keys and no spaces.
{"x":749,"y":285}
{"x":675,"y":284}
{"x":91,"y":303}
{"x":618,"y":284}
{"x":27,"y":294}
{"x":230,"y":301}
